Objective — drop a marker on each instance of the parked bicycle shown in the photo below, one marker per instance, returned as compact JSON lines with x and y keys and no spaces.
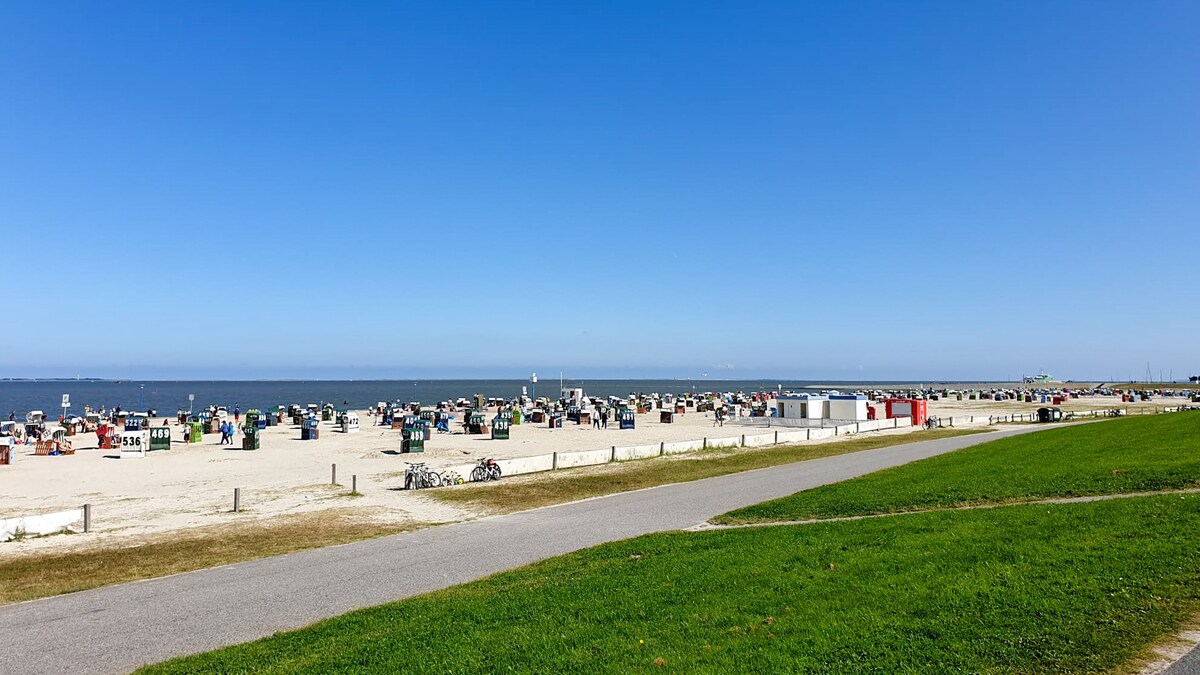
{"x":486,"y":469}
{"x":418,"y":476}
{"x":933,"y":423}
{"x":452,"y":478}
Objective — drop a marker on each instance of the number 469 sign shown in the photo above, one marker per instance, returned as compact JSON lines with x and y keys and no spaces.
{"x":135,"y":443}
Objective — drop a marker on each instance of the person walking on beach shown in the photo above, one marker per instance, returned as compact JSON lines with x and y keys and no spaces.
{"x":596,"y":419}
{"x":604,"y":418}
{"x":237,"y":413}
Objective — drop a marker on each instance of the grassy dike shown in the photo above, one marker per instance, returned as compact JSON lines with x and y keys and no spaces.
{"x":1024,"y":589}
{"x":1134,"y":454}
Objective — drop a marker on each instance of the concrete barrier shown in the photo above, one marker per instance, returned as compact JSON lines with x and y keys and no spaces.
{"x":566,"y":460}
{"x":42,"y":524}
{"x":681,"y":446}
{"x":760,"y":440}
{"x":519,"y":465}
{"x":727,"y":442}
{"x":636,"y":452}
{"x":818,"y":434}
{"x":793,"y":436}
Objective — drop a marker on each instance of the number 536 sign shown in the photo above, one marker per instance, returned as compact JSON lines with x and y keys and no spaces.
{"x":135,"y":443}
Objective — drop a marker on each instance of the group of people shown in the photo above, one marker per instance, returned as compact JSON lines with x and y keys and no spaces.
{"x":227,"y":429}
{"x":600,"y":418}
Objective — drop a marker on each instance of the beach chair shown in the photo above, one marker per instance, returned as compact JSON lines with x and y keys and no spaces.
{"x":443,"y":427}
{"x":44,"y":448}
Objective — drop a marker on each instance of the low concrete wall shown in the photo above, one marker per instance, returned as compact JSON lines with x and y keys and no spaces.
{"x":759,"y":440}
{"x":520,"y":465}
{"x":726,"y":442}
{"x":567,"y":460}
{"x":681,"y":446}
{"x":818,"y":434}
{"x":636,"y":452}
{"x":793,"y":436}
{"x":46,"y":523}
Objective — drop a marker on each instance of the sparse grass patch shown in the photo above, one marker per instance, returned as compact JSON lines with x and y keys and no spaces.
{"x":38,"y":576}
{"x":543,"y":489}
{"x":1125,"y":455}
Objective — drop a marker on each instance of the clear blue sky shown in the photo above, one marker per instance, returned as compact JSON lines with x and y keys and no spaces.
{"x":879,"y":190}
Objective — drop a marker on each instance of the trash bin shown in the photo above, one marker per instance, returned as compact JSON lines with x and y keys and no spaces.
{"x":250,"y":437}
{"x":500,"y":429}
{"x":160,"y":438}
{"x":412,"y":440}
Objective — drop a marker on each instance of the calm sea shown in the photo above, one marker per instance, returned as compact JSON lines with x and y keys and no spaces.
{"x":167,"y":397}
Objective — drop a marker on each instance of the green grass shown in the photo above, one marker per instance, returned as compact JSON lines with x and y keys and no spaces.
{"x":543,"y":489}
{"x":1025,"y":589}
{"x":1135,"y":454}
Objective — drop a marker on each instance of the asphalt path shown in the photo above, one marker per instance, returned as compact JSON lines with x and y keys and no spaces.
{"x":118,"y":628}
{"x":1188,"y":665}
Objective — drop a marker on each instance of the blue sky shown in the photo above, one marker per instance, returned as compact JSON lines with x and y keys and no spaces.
{"x":880,"y":190}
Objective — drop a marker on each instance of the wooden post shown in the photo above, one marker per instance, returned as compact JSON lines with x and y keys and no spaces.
{"x":87,"y":518}
{"x":333,"y":477}
{"x":554,"y":461}
{"x":777,"y":438}
{"x":705,"y":446}
{"x":237,"y":499}
{"x":662,"y":448}
{"x":613,"y":457}
{"x":743,"y":440}
{"x":354,"y":483}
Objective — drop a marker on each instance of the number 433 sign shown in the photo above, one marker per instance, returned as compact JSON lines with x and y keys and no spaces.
{"x":135,"y":443}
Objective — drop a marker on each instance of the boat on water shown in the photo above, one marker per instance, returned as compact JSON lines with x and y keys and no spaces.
{"x":1041,"y":378}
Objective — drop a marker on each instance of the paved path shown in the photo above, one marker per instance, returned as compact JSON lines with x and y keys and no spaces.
{"x":1188,"y":665}
{"x":118,"y":628}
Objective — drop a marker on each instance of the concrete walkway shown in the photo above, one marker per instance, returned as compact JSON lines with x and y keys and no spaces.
{"x":118,"y":628}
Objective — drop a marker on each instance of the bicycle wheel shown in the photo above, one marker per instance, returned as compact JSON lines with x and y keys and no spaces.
{"x":494,"y":472}
{"x":435,"y":479}
{"x":478,"y":474}
{"x":408,"y":481}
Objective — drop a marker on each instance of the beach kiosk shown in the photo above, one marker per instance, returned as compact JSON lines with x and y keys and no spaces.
{"x":852,"y":407}
{"x":915,"y":408}
{"x":349,"y":421}
{"x":500,"y":428}
{"x":804,"y":406}
{"x":412,"y":440}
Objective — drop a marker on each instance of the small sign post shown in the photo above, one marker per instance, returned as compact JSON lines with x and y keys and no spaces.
{"x":191,"y":397}
{"x":66,"y":403}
